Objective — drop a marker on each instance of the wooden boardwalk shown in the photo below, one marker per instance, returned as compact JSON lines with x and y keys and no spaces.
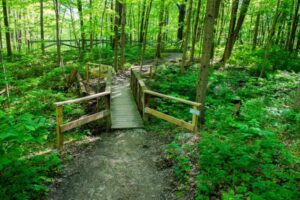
{"x":124,"y":112}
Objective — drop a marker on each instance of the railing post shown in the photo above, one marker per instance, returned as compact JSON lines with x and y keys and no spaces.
{"x":59,"y":122}
{"x":195,"y":120}
{"x":146,"y":103}
{"x":107,"y":107}
{"x":88,"y":72}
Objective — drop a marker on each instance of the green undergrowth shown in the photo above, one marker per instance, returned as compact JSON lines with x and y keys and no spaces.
{"x":250,"y":155}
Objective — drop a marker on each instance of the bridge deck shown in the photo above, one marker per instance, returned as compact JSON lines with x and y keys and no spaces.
{"x":124,"y":112}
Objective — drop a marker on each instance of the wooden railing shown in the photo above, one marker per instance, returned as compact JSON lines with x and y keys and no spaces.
{"x":63,"y":127}
{"x":142,"y":97}
{"x":101,"y":70}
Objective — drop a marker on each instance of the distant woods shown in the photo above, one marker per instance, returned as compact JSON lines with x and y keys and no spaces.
{"x":258,"y":23}
{"x":208,"y":31}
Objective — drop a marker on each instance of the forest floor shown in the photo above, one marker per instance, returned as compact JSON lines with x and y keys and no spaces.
{"x":123,"y":164}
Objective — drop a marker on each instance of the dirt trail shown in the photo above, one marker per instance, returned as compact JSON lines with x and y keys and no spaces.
{"x":122,"y":165}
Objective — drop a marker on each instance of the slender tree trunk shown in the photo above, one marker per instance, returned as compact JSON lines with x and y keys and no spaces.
{"x":116,"y":31}
{"x":235,"y":27}
{"x":7,"y":30}
{"x":42,"y":26}
{"x":297,"y":100}
{"x":195,"y":30}
{"x":92,"y":25}
{"x":144,"y":45}
{"x":256,"y":30}
{"x":161,"y":24}
{"x":123,"y":34}
{"x":294,"y":27}
{"x":211,"y":10}
{"x":273,"y":28}
{"x":222,"y":23}
{"x":4,"y":69}
{"x":181,"y":17}
{"x":186,"y":36}
{"x":79,"y":7}
{"x":142,"y":31}
{"x":58,"y":43}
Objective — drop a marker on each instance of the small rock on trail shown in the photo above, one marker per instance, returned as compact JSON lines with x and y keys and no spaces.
{"x":120,"y":166}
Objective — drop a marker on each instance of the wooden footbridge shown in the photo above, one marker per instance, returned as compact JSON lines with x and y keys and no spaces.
{"x":124,"y":105}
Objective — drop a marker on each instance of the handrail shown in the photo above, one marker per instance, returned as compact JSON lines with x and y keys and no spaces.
{"x":61,"y":127}
{"x":142,"y":97}
{"x":191,"y":103}
{"x":87,"y":98}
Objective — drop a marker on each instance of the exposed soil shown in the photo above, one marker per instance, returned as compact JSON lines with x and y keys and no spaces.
{"x":121,"y":165}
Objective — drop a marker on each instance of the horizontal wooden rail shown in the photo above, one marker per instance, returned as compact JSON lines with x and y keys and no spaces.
{"x":169,"y":118}
{"x":84,"y":120}
{"x":87,"y":98}
{"x":61,"y":127}
{"x":191,"y":103}
{"x":142,"y":97}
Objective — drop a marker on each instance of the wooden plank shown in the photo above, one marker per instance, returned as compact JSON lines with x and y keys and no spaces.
{"x":169,"y":118}
{"x":59,"y":121}
{"x":84,"y":120}
{"x":124,"y":111}
{"x":87,"y":98}
{"x":171,"y":98}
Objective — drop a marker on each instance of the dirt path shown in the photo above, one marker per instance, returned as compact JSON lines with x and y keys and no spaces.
{"x":121,"y":165}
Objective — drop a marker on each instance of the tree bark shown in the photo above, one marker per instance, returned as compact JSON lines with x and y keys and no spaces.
{"x":116,"y":31}
{"x":211,"y":11}
{"x":297,"y":100}
{"x":42,"y":26}
{"x":256,"y":31}
{"x":82,"y":31}
{"x":123,"y":34}
{"x":161,"y":24}
{"x":235,"y":27}
{"x":273,"y":28}
{"x":294,"y":27}
{"x":195,"y":30}
{"x":58,"y":44}
{"x":7,"y":30}
{"x":144,"y":44}
{"x":181,"y":17}
{"x":142,"y":31}
{"x":186,"y":36}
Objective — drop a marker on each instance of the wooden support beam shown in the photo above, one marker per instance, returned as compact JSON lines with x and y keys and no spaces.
{"x":87,"y":98}
{"x":83,"y":120}
{"x":169,"y":118}
{"x":59,"y":122}
{"x":172,"y":98}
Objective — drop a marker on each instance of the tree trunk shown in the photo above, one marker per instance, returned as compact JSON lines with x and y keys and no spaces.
{"x":123,"y":34}
{"x":297,"y":100}
{"x":211,"y":10}
{"x":7,"y":30}
{"x":186,"y":37}
{"x":92,"y":31}
{"x":79,"y":7}
{"x":273,"y":28}
{"x":181,"y":17}
{"x":42,"y":26}
{"x":145,"y":34}
{"x":235,"y":27}
{"x":294,"y":27}
{"x":142,"y":31}
{"x":195,"y":30}
{"x":116,"y":31}
{"x":256,"y":31}
{"x":161,"y":24}
{"x":58,"y":45}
